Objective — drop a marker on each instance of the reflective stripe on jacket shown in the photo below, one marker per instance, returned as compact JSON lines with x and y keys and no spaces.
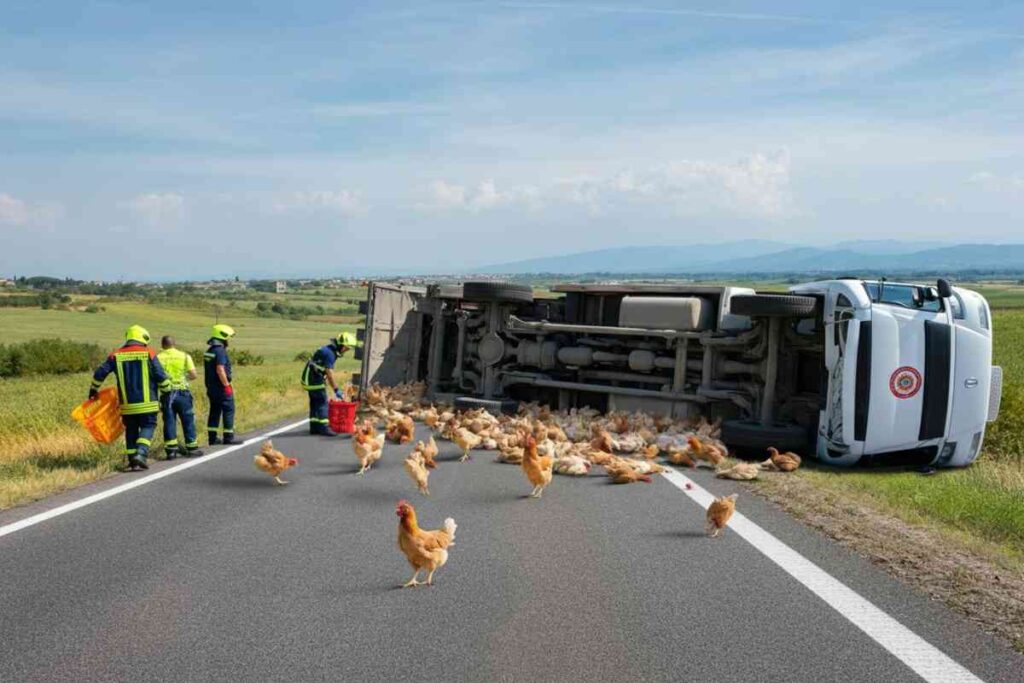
{"x":317,"y":366}
{"x":140,"y":378}
{"x":176,"y":364}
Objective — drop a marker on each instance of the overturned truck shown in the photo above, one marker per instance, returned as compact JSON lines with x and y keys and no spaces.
{"x":849,"y":370}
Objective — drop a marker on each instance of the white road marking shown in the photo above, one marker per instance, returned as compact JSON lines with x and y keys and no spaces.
{"x":135,"y":483}
{"x":922,"y":657}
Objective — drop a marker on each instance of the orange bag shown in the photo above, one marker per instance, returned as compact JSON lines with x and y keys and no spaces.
{"x":101,"y":416}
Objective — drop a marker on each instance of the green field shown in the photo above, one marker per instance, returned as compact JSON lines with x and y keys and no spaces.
{"x":43,"y":451}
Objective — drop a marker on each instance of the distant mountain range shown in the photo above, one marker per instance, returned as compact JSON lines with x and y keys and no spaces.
{"x":765,"y":256}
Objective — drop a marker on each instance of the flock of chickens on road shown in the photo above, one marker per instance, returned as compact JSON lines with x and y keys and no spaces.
{"x":543,"y":442}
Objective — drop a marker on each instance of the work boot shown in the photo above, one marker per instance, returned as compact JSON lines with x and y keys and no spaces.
{"x":136,"y":463}
{"x":193,"y":452}
{"x":213,"y":440}
{"x":228,"y":440}
{"x":327,"y":431}
{"x":313,"y":429}
{"x":171,"y":453}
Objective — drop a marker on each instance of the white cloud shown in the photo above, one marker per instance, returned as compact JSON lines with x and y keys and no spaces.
{"x":754,"y":186}
{"x":485,"y":195}
{"x":19,"y":213}
{"x":345,"y":202}
{"x":157,"y":210}
{"x":1012,"y":183}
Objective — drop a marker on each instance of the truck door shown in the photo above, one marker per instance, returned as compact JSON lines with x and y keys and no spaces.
{"x":392,"y":338}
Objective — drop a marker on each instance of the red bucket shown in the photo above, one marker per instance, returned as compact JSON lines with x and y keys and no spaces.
{"x":342,"y":416}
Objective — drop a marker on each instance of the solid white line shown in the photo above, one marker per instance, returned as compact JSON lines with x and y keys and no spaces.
{"x":135,"y":483}
{"x":922,"y":657}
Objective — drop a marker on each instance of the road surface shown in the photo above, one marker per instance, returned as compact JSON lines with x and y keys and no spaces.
{"x":212,"y":573}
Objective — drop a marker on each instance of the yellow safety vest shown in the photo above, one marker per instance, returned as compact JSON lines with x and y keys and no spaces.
{"x":176,"y":363}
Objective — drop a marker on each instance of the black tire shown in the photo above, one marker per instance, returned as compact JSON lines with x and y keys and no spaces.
{"x":753,"y":436}
{"x":497,"y":292}
{"x":774,"y":305}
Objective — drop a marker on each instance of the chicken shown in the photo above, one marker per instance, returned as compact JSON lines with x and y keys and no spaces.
{"x":537,"y":468}
{"x":429,"y":451}
{"x":431,"y":417}
{"x":367,"y":449}
{"x":783,"y":462}
{"x":706,"y":451}
{"x":400,"y":429}
{"x":467,"y":441}
{"x":681,"y":456}
{"x":273,"y":462}
{"x":425,"y":550}
{"x":416,"y":468}
{"x":741,"y":471}
{"x":651,"y":452}
{"x":719,"y":513}
{"x":512,"y":455}
{"x":628,"y":475}
{"x":602,"y":441}
{"x":573,"y":465}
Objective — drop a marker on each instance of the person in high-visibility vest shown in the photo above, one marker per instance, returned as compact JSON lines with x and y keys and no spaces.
{"x":217,"y":371}
{"x":318,"y":374}
{"x":177,"y":403}
{"x":140,"y":379}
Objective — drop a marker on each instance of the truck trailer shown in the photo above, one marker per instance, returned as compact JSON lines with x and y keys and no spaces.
{"x":849,"y":370}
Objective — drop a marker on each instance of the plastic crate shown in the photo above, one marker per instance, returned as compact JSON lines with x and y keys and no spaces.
{"x":101,"y":416}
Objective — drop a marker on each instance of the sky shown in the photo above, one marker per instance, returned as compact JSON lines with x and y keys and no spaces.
{"x":182,"y":140}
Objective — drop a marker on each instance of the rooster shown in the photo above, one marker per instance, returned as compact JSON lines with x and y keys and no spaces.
{"x":273,"y":462}
{"x":783,"y":462}
{"x":425,"y":550}
{"x":367,"y":449}
{"x":537,"y":468}
{"x":467,"y":441}
{"x":706,"y":451}
{"x":415,"y":467}
{"x":719,"y":513}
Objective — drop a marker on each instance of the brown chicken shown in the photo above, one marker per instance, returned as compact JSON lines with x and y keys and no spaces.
{"x":627,"y":475}
{"x":416,"y":468}
{"x":273,"y":462}
{"x":741,"y":471}
{"x":538,"y":468}
{"x":429,"y":451}
{"x":425,"y":550}
{"x":719,"y":513}
{"x":400,"y":430}
{"x":706,"y":451}
{"x":467,"y":441}
{"x":651,"y":452}
{"x":783,"y":462}
{"x":367,"y":449}
{"x":602,"y":441}
{"x":677,"y":456}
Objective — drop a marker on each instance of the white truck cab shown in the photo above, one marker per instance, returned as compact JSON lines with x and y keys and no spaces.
{"x":909,"y":370}
{"x":848,"y":370}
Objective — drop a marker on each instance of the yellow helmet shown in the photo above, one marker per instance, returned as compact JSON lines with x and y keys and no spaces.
{"x":346,"y":339}
{"x":221,"y":331}
{"x":137,"y":333}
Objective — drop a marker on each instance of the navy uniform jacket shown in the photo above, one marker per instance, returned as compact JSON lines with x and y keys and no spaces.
{"x":313,"y":374}
{"x":140,"y":378}
{"x":216,"y":355}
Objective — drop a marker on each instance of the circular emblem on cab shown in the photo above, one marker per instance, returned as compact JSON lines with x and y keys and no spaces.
{"x":905,"y":382}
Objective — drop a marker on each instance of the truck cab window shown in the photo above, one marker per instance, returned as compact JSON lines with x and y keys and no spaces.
{"x":841,"y":317}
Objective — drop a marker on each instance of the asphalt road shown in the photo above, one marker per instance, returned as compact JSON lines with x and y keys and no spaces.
{"x":213,"y":573}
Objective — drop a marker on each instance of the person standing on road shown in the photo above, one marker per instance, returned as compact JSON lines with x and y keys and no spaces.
{"x":217,"y":372}
{"x":140,"y":379}
{"x":177,"y":403}
{"x":318,"y":375}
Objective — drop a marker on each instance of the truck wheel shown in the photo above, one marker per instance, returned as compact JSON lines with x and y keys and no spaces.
{"x":780,"y":305}
{"x":749,"y":435}
{"x":497,"y":292}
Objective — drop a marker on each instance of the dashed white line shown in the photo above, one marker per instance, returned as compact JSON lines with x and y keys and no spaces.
{"x":142,"y":481}
{"x":922,"y":657}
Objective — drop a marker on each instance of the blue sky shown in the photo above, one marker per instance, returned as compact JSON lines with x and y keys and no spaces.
{"x":195,"y":139}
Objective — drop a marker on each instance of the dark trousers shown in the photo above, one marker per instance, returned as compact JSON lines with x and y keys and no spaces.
{"x":138,"y":434}
{"x":177,"y":405}
{"x":318,"y":421}
{"x":221,"y":407}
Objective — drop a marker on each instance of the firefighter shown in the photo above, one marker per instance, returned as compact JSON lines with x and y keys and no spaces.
{"x":217,"y":371}
{"x":140,"y":379}
{"x":177,"y":403}
{"x":319,"y":368}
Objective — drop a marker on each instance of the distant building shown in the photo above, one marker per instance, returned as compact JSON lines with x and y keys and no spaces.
{"x":280,"y":286}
